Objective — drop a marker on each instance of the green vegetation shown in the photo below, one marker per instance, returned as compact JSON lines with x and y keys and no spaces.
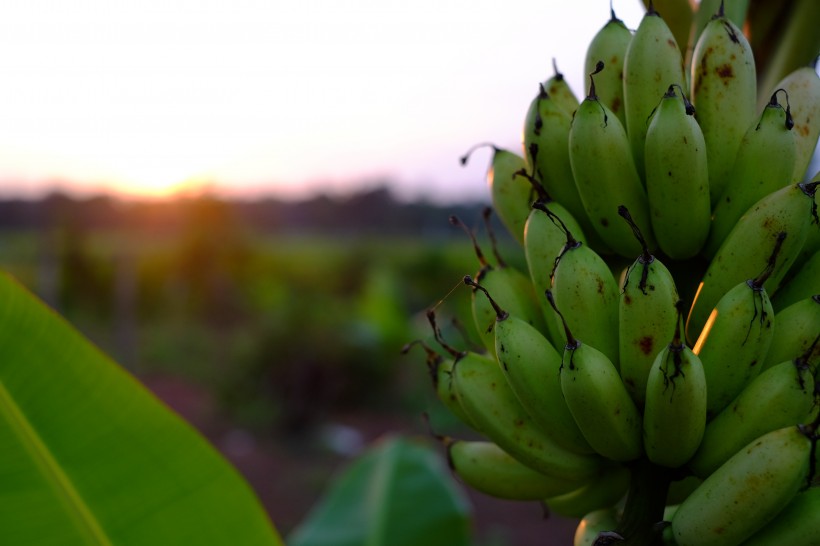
{"x":283,"y":328}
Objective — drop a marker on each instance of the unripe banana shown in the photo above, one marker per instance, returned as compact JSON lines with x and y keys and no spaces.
{"x":764,"y":161}
{"x":653,"y":62}
{"x":609,"y":45}
{"x":608,"y":418}
{"x":486,"y":397}
{"x":587,"y":293}
{"x":487,"y":468}
{"x":795,"y":328}
{"x":606,"y":176}
{"x":546,"y":137}
{"x":734,"y":342}
{"x":512,"y":289}
{"x":603,"y":491}
{"x":440,"y":369}
{"x":742,"y":256}
{"x":558,"y":88}
{"x":677,"y":177}
{"x":678,"y":14}
{"x":724,"y":90}
{"x":803,"y":87}
{"x":511,"y":195}
{"x":543,"y":240}
{"x":646,"y":317}
{"x":804,"y":283}
{"x":735,"y":11}
{"x":746,"y":492}
{"x":675,"y":413}
{"x":797,"y":524}
{"x":594,"y":523}
{"x":532,"y":368}
{"x":780,"y":396}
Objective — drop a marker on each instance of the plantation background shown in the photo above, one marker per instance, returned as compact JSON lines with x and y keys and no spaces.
{"x":274,"y":327}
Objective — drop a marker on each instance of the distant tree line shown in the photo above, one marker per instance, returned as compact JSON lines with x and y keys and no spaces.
{"x":370,"y":212}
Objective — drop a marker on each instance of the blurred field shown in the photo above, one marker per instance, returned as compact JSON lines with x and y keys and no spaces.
{"x":280,"y":345}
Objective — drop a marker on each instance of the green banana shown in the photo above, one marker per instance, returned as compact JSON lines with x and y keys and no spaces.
{"x":724,"y":90}
{"x":594,"y":523}
{"x":558,"y":88}
{"x":678,"y":14}
{"x":804,"y":283}
{"x":742,"y":255}
{"x":764,"y":163}
{"x":735,"y":11}
{"x":609,"y":45}
{"x":734,"y":342}
{"x":486,"y":467}
{"x":605,"y":174}
{"x":646,"y":316}
{"x":486,"y":397}
{"x":803,"y":87}
{"x":677,"y":177}
{"x":440,"y":370}
{"x":711,"y":432}
{"x":603,"y":491}
{"x":608,"y":418}
{"x":780,"y":396}
{"x":532,"y":368}
{"x":511,"y":195}
{"x":546,"y":137}
{"x":653,"y":62}
{"x":583,"y":286}
{"x":543,"y":240}
{"x":797,"y":524}
{"x":794,"y":329}
{"x":747,"y":491}
{"x":675,"y":412}
{"x":511,"y":287}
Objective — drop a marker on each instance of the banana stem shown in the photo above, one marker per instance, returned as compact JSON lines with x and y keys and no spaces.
{"x":645,"y":503}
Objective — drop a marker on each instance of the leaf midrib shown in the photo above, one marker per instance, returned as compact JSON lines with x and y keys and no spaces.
{"x":61,"y":484}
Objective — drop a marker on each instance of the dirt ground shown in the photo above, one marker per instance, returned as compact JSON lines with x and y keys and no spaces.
{"x":289,"y":479}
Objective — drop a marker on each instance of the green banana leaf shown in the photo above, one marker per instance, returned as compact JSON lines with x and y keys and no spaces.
{"x":399,"y":493}
{"x":89,"y":457}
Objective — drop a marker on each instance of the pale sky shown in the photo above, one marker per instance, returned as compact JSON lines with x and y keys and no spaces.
{"x":285,"y":97}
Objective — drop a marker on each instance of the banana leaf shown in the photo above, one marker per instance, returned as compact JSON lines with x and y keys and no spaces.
{"x":90,"y":457}
{"x":399,"y":493}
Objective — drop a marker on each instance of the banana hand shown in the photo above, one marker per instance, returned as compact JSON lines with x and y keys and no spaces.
{"x":746,"y":492}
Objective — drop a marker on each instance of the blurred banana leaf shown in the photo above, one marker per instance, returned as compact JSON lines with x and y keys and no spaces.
{"x":399,"y":493}
{"x":90,"y":457}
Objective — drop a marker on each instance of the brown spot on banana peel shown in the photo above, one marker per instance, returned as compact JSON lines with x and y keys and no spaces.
{"x":646,"y":343}
{"x":726,"y":72}
{"x":803,"y":130}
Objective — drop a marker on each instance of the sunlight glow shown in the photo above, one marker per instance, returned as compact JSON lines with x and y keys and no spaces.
{"x":704,"y":334}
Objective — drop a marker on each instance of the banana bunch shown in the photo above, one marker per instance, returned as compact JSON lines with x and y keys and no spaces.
{"x":654,"y":370}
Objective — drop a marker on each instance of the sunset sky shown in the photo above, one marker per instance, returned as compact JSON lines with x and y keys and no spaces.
{"x":269,"y":96}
